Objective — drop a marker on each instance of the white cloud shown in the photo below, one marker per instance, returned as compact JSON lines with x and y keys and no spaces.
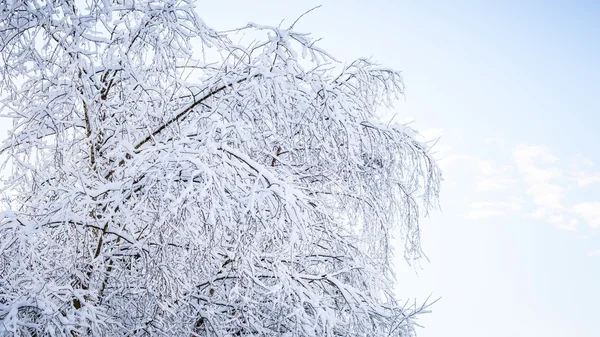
{"x":513,"y":204}
{"x":495,"y":141}
{"x":486,"y":209}
{"x":478,"y":214}
{"x":581,"y":174}
{"x":459,"y":157}
{"x":490,"y":185}
{"x":545,"y":194}
{"x":493,"y":177}
{"x":547,"y":187}
{"x":589,"y":212}
{"x":562,"y":222}
{"x":548,"y":195}
{"x":488,"y":168}
{"x":545,"y":182}
{"x":594,"y":253}
{"x":570,"y":226}
{"x":585,"y":179}
{"x":493,"y":184}
{"x":539,"y":213}
{"x":526,"y":153}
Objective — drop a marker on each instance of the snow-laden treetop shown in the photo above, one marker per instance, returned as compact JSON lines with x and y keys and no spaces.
{"x":167,"y":181}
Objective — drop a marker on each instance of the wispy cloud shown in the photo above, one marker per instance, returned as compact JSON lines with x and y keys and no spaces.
{"x":492,"y":177}
{"x":547,"y":186}
{"x":589,"y":212}
{"x":548,"y":183}
{"x":496,"y":142}
{"x":535,"y":163}
{"x":585,"y":179}
{"x":486,"y":209}
{"x":492,"y":184}
{"x":563,"y":222}
{"x":594,"y":253}
{"x":478,"y":214}
{"x":487,"y":168}
{"x":582,"y":172}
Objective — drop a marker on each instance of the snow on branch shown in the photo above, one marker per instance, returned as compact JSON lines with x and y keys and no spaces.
{"x":166,"y":181}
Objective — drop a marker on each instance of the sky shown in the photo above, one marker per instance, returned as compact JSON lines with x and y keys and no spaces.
{"x":511,"y":88}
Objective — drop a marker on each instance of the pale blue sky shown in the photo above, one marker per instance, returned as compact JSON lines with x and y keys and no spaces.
{"x":513,"y":89}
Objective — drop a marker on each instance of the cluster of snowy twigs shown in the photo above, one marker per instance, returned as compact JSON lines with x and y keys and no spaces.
{"x":167,"y":181}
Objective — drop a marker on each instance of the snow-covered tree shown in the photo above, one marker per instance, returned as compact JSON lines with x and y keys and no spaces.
{"x":165,"y":180}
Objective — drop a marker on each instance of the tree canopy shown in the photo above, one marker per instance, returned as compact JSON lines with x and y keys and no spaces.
{"x":165,"y":180}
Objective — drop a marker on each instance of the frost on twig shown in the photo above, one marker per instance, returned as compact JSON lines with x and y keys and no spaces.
{"x":167,"y":181}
